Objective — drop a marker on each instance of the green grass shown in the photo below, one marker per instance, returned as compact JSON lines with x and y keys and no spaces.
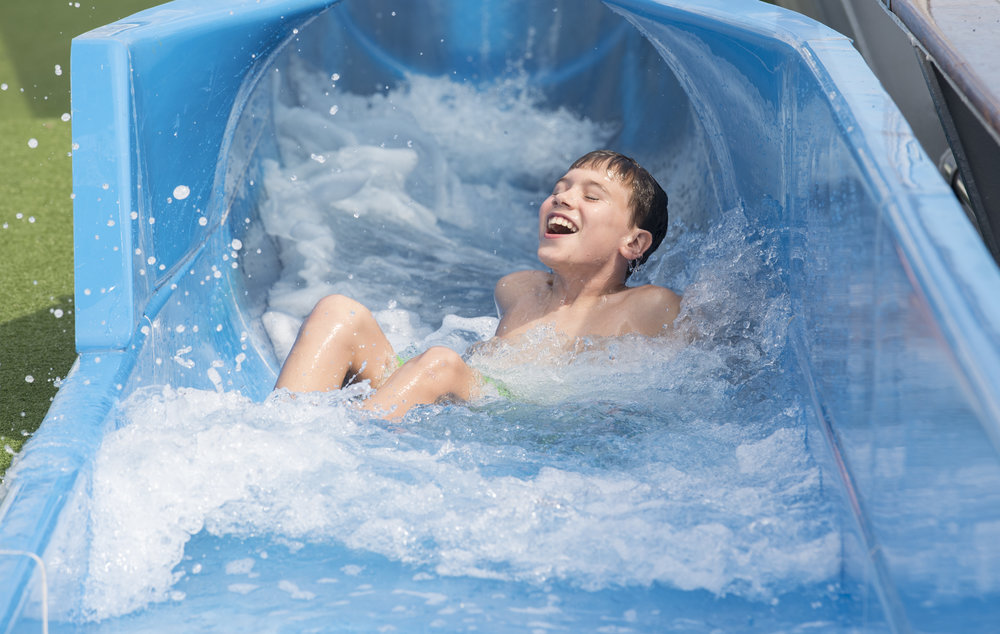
{"x":36,"y":216}
{"x":36,"y":274}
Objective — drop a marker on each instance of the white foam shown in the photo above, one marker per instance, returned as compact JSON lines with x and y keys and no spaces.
{"x":294,"y":591}
{"x":312,"y":469}
{"x":240,"y":566}
{"x":282,"y":329}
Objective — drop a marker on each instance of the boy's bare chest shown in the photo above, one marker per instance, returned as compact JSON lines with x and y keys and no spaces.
{"x":603,"y":319}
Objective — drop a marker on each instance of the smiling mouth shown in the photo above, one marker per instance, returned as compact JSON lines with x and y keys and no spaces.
{"x":560,"y":226}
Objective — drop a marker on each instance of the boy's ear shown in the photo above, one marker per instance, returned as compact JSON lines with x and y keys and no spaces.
{"x":637,"y":244}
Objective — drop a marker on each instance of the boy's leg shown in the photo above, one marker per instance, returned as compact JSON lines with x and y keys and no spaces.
{"x":339,"y":342}
{"x":432,"y":376}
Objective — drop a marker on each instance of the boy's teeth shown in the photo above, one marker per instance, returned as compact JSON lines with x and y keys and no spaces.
{"x":558,"y":224}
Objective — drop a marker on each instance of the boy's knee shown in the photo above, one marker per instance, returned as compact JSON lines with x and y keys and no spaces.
{"x":441,"y":359}
{"x":338,"y":308}
{"x":446,"y":374}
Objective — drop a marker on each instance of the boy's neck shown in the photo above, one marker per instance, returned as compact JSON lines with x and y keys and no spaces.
{"x":570,"y":289}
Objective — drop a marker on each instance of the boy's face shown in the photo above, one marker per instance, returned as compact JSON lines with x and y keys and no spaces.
{"x":586,"y":220}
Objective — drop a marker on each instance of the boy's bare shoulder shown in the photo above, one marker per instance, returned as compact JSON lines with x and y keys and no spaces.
{"x":654,"y":293}
{"x":528,"y":276}
{"x":517,"y":284}
{"x":652,"y":308}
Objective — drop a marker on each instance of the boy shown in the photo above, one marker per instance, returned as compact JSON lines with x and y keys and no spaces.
{"x":603,"y":219}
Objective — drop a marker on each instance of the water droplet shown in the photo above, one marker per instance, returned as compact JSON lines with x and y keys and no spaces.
{"x":58,"y":313}
{"x":58,"y":69}
{"x":237,"y":244}
{"x":32,"y":143}
{"x":29,"y":379}
{"x":65,"y":116}
{"x":181,"y":192}
{"x":203,"y":221}
{"x":334,"y":109}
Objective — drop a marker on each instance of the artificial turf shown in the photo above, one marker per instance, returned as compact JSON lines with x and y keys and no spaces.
{"x":36,"y":274}
{"x":36,"y":231}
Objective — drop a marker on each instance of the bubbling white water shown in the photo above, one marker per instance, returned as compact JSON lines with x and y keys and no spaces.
{"x":673,"y":461}
{"x":596,"y":494}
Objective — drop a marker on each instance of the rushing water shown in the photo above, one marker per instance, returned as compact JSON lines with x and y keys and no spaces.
{"x":676,"y":463}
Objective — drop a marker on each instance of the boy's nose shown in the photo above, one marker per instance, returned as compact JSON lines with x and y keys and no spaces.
{"x":562,"y":199}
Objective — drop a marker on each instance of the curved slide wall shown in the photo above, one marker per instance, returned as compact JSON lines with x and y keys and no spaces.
{"x":895,"y":334}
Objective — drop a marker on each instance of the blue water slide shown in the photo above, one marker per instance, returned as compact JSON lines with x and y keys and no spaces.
{"x":894,"y":337}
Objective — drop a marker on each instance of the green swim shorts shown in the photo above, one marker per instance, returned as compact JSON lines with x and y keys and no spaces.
{"x":501,"y":389}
